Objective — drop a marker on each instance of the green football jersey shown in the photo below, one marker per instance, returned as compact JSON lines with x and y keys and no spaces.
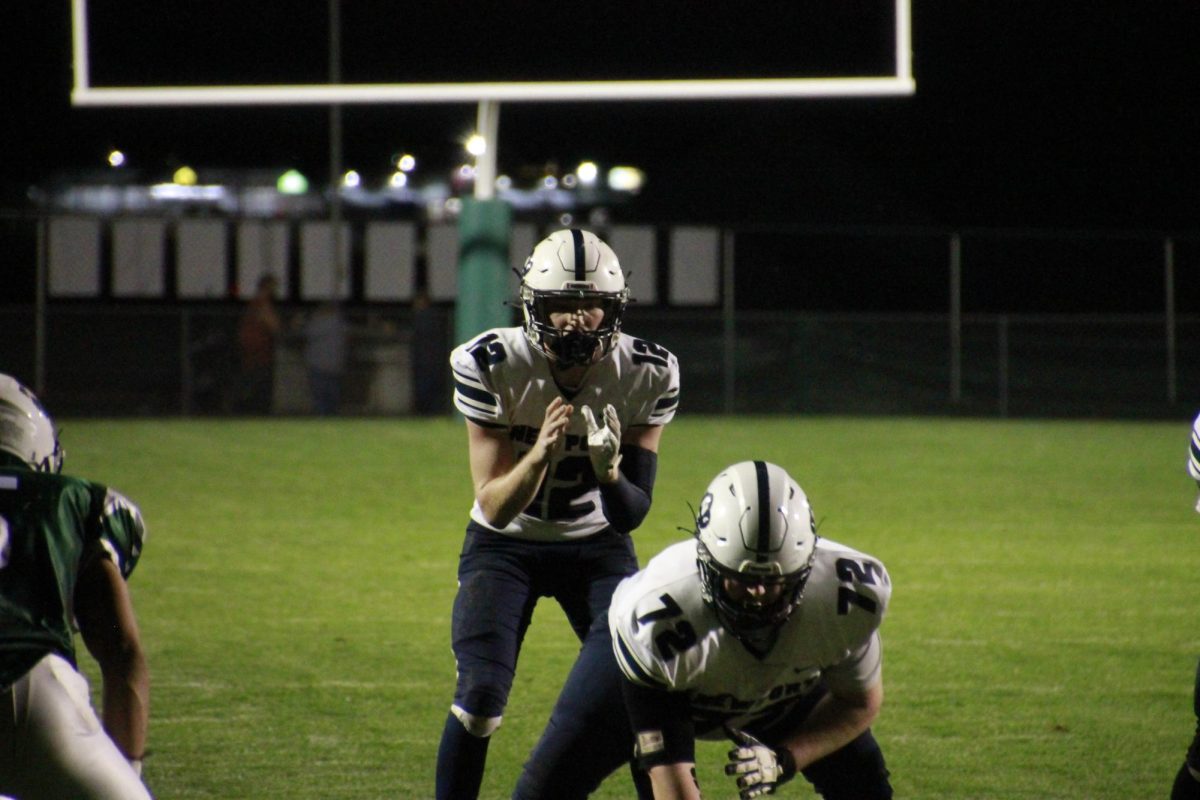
{"x":48,"y":523}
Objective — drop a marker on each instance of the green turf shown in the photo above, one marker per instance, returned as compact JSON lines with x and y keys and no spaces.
{"x":295,"y":597}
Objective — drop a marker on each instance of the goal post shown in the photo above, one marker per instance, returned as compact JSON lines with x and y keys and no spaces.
{"x":485,"y":220}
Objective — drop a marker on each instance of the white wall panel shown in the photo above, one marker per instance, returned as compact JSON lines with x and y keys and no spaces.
{"x":138,"y":257}
{"x":695,"y":266}
{"x":262,"y":247}
{"x":441,"y":263}
{"x":390,"y":261}
{"x":320,"y":277}
{"x":201,"y":260}
{"x":636,"y":247}
{"x":74,"y":257}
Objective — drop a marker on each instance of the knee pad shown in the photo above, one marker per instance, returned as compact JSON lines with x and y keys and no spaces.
{"x":481,"y":727}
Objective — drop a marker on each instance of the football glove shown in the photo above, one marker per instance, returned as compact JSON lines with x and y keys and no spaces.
{"x":758,"y":768}
{"x":604,"y":443}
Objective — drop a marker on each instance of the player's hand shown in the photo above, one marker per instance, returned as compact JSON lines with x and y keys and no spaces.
{"x":554,"y":424}
{"x":758,"y":768}
{"x":604,"y":443}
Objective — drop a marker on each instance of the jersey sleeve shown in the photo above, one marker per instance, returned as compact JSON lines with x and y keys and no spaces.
{"x":119,"y":527}
{"x":858,"y":672}
{"x":864,"y":592}
{"x":633,"y":642}
{"x":474,"y":394}
{"x":662,"y":394}
{"x":1193,"y":462}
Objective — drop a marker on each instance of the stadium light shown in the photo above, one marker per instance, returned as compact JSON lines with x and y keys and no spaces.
{"x":587,"y":172}
{"x":626,"y":179}
{"x":476,"y":145}
{"x":116,"y":158}
{"x":184,"y":176}
{"x":292,"y":182}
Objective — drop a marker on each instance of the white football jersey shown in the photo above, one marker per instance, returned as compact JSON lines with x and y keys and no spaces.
{"x":665,"y":636}
{"x":1193,"y":463}
{"x":500,"y":381}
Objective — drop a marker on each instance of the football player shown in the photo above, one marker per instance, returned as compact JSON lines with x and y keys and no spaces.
{"x":564,"y":415}
{"x":755,"y":631}
{"x":67,"y":546}
{"x":1187,"y":780}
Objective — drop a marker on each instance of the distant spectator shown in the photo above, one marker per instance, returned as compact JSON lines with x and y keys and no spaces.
{"x":325,"y":336}
{"x":258,"y":331}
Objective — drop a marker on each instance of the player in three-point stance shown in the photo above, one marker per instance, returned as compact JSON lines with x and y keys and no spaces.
{"x":67,"y":546}
{"x":1187,"y":780}
{"x":753,"y":630}
{"x":564,"y":416}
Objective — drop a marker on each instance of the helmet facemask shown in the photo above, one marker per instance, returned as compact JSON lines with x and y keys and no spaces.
{"x":576,"y":347}
{"x":745,"y":616}
{"x":755,"y":544}
{"x":572,"y":268}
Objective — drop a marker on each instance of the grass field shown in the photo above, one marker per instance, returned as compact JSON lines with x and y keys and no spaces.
{"x":296,"y":588}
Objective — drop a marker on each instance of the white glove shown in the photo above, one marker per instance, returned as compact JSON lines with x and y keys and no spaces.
{"x":604,"y":443}
{"x":759,"y":769}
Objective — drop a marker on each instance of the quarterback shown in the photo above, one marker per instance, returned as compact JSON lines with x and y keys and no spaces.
{"x":564,"y":415}
{"x":67,"y":546}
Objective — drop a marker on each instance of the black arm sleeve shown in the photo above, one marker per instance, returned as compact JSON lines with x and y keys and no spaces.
{"x":626,"y":501}
{"x":662,"y":722}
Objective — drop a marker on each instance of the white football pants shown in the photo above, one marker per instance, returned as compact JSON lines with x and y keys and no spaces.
{"x":52,"y":745}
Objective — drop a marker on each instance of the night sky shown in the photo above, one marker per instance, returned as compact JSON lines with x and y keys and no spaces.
{"x":1027,"y":116}
{"x":1026,"y":113}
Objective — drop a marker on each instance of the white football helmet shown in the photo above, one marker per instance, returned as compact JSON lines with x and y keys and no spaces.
{"x":572,"y":264}
{"x":26,"y":430}
{"x":755,"y":526}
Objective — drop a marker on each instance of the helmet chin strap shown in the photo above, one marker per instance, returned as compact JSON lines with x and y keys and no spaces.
{"x":574,"y":348}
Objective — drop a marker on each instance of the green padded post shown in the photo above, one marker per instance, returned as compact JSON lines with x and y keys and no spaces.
{"x":483,"y":268}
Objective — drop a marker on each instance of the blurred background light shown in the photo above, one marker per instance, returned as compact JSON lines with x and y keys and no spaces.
{"x":184,"y":176}
{"x":626,"y":179}
{"x":292,"y":182}
{"x":587,"y":172}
